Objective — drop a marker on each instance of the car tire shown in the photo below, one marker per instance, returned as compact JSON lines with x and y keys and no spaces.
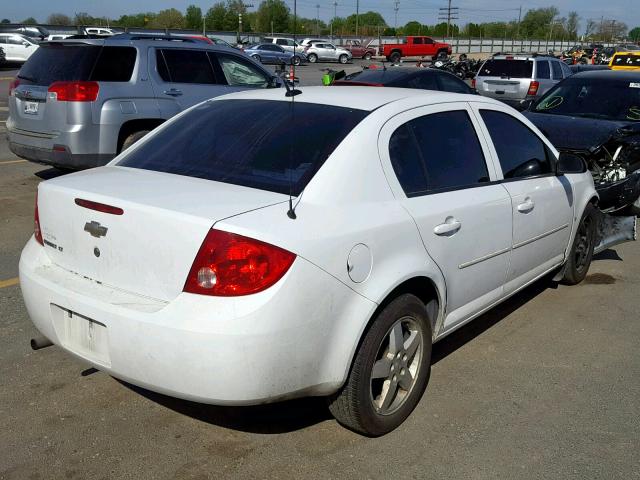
{"x":257,"y":58}
{"x":442,"y":55}
{"x":133,"y":138}
{"x":312,"y":57}
{"x":361,"y":404}
{"x":296,"y":60}
{"x":343,"y":59}
{"x":394,"y":57}
{"x":367,"y":56}
{"x":581,"y":251}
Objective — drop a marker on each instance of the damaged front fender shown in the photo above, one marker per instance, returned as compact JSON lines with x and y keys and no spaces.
{"x":613,"y":230}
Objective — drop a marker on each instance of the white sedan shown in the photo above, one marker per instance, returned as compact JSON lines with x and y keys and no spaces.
{"x":229,"y":259}
{"x":17,"y":48}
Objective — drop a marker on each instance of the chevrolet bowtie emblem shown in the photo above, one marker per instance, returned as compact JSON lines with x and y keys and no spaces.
{"x":95,"y":229}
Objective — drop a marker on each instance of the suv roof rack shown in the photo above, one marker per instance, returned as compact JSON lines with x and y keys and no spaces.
{"x":150,"y":36}
{"x":524,"y":54}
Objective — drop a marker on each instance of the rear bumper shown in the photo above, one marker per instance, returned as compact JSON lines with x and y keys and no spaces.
{"x":295,"y":339}
{"x":58,"y":158}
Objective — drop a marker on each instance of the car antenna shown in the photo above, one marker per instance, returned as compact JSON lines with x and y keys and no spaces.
{"x":292,"y":92}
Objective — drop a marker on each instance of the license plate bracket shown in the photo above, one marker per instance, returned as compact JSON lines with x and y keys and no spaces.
{"x":31,"y":108}
{"x":82,"y":335}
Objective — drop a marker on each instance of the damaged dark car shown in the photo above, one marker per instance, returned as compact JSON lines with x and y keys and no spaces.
{"x":596,"y":115}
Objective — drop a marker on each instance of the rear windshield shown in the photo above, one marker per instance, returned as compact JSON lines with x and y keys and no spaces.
{"x":626,"y":61}
{"x":56,"y":62}
{"x":507,"y":68}
{"x":266,"y":144}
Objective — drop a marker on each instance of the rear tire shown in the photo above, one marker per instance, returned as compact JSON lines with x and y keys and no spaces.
{"x":343,"y":59}
{"x":442,"y":55}
{"x":390,"y":370}
{"x":313,"y":58}
{"x":133,"y":138}
{"x":581,"y":251}
{"x":296,"y":60}
{"x":394,"y":57}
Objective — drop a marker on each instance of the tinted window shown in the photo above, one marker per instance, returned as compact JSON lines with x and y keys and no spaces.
{"x":417,"y":41}
{"x":449,"y":83}
{"x":626,"y":61}
{"x":238,"y":71}
{"x":3,"y":39}
{"x":542,"y":70}
{"x":425,"y":81}
{"x":565,"y":68}
{"x":557,"y":70}
{"x":507,"y":68}
{"x":52,"y":63}
{"x":187,"y":66}
{"x":407,"y":161}
{"x":281,"y":41}
{"x":115,"y":64}
{"x":14,"y":40}
{"x":520,"y":151}
{"x":448,"y":148}
{"x":255,"y":143}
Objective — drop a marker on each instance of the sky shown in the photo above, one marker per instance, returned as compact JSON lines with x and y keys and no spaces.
{"x":424,"y":11}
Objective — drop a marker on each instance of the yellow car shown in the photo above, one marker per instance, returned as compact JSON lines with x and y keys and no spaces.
{"x":625,"y":61}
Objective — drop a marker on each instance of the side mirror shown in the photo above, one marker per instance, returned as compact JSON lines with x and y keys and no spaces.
{"x":529,"y":168}
{"x":26,"y":44}
{"x":570,"y":163}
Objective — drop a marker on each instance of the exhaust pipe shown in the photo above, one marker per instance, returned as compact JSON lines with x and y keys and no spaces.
{"x":40,"y":342}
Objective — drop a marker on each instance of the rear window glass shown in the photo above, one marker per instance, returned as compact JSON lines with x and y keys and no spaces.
{"x":626,"y":61}
{"x":507,"y":68}
{"x":254,"y":143}
{"x":56,"y":63}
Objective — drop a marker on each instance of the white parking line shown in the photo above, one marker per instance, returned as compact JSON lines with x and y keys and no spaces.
{"x":11,"y":161}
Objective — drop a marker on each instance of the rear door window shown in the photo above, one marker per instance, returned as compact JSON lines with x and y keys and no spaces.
{"x":556,"y":70}
{"x":542,"y":70}
{"x":507,"y":68}
{"x":185,"y":66}
{"x":449,"y":83}
{"x":520,"y":151}
{"x":425,"y":81}
{"x":254,"y":143}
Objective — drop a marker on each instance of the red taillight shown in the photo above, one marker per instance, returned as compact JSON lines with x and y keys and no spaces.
{"x":37,"y":233}
{"x":100,"y":207}
{"x":509,"y":57}
{"x":230,"y":265}
{"x":533,"y":88}
{"x":473,"y":83}
{"x":75,"y":91}
{"x":12,"y":86}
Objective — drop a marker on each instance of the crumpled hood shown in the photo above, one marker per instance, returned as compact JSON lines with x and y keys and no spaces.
{"x":576,"y":133}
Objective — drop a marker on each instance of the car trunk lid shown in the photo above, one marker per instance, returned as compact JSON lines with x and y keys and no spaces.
{"x":149,"y":247}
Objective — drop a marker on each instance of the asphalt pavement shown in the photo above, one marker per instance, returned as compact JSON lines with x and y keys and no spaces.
{"x":546,"y":386}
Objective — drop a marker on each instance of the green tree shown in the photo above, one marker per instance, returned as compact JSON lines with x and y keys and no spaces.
{"x":537,"y":22}
{"x":5,"y":20}
{"x":634,"y":34}
{"x":234,"y":8}
{"x":193,"y":18}
{"x":272,"y":15}
{"x":572,"y":25}
{"x":83,"y":18}
{"x":29,"y":21}
{"x":412,"y":28}
{"x":169,"y":18}
{"x":138,"y":20}
{"x":59,"y":19}
{"x":215,"y":16}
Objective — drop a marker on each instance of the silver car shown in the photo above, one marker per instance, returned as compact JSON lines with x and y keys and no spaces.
{"x":78,"y":103}
{"x":327,"y":52}
{"x":519,"y":79}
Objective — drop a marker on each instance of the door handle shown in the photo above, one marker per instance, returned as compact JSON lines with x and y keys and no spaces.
{"x":526,"y":206}
{"x":173,"y":92}
{"x":448,"y":228}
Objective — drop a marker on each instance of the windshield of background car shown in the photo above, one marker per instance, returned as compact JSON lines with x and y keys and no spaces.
{"x":507,"y":68}
{"x":626,"y":61}
{"x":609,"y":100}
{"x":253,"y":143}
{"x":57,"y":62}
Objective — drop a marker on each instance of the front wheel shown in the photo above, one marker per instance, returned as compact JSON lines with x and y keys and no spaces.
{"x":390,"y":370}
{"x":367,"y":56}
{"x":394,"y":57}
{"x":295,"y":60}
{"x":256,"y":58}
{"x":313,"y":58}
{"x":442,"y":55}
{"x":582,"y":249}
{"x":343,"y":59}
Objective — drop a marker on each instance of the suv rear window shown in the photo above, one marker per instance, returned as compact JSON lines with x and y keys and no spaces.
{"x":55,"y":63}
{"x":253,"y":143}
{"x":507,"y":68}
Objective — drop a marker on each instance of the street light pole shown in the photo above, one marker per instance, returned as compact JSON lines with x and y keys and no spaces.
{"x":357,"y":15}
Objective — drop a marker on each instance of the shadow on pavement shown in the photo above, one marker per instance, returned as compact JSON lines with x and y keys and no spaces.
{"x":608,"y":254}
{"x":301,"y":413}
{"x":50,"y":173}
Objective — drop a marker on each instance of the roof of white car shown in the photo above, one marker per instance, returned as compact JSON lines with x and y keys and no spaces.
{"x":362,"y":98}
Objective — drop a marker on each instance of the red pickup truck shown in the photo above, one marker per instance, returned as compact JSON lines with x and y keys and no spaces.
{"x":415,"y":47}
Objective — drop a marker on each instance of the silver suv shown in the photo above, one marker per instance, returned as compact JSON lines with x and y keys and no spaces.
{"x":78,"y":103}
{"x":518,"y":79}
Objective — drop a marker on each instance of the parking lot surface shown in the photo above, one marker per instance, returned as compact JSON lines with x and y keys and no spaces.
{"x":545,"y":386}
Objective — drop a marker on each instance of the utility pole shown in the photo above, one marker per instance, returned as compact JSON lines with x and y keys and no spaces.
{"x":602,"y":28}
{"x":335,"y":14}
{"x":318,"y":19}
{"x":519,"y":18}
{"x":396,"y":8}
{"x":245,"y":5}
{"x":357,"y":15}
{"x":451,"y":14}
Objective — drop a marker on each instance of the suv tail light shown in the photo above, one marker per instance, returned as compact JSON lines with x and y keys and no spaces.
{"x":473,"y":83}
{"x":12,"y":86}
{"x":229,"y":265}
{"x":75,"y":91}
{"x":37,"y":233}
{"x":533,"y":88}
